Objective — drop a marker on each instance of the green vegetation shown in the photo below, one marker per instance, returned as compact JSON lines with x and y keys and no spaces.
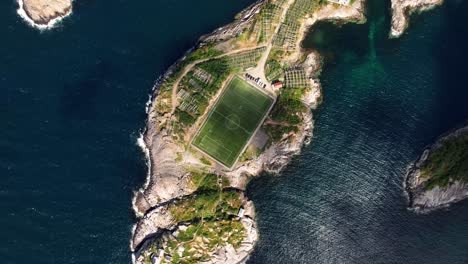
{"x":205,"y":161}
{"x":164,"y":101}
{"x":289,"y":30}
{"x":289,"y":107}
{"x":447,"y":163}
{"x":199,"y":85}
{"x":266,"y":19}
{"x":273,"y":68}
{"x":209,"y":202}
{"x":207,"y":205}
{"x":205,"y":182}
{"x":232,"y":121}
{"x":287,"y":114}
{"x":194,"y":244}
{"x":194,"y":94}
{"x":250,"y":153}
{"x":244,"y":60}
{"x":185,"y":118}
{"x":210,"y":212}
{"x":276,"y":132}
{"x":209,"y":220}
{"x":202,"y":53}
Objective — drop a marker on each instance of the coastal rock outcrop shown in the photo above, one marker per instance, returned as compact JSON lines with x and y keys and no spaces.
{"x":421,"y":197}
{"x":44,"y":13}
{"x":402,"y":10}
{"x":168,"y":178}
{"x":160,"y":223}
{"x":231,"y":255}
{"x":154,"y":222}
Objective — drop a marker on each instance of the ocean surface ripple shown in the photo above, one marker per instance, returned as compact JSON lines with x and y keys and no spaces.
{"x":342,"y":200}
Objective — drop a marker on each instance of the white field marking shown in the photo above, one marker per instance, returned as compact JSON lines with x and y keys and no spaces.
{"x":204,"y":124}
{"x":220,"y":98}
{"x":235,"y":121}
{"x":264,"y":114}
{"x":211,"y":157}
{"x":249,"y":134}
{"x":258,"y":127}
{"x":215,"y":143}
{"x":250,"y":103}
{"x":225,"y":117}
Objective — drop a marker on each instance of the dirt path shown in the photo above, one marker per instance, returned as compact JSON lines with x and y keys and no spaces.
{"x":259,"y":71}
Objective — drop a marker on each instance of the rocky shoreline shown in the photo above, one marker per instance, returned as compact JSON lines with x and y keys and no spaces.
{"x":403,"y":9}
{"x":168,"y":178}
{"x":420,"y":198}
{"x":44,"y":14}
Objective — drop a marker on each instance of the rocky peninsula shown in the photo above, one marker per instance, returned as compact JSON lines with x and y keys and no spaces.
{"x":403,"y":9}
{"x":44,"y":14}
{"x":440,"y":175}
{"x":192,"y":208}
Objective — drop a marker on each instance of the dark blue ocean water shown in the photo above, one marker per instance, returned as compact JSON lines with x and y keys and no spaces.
{"x":342,"y":200}
{"x":72,"y":103}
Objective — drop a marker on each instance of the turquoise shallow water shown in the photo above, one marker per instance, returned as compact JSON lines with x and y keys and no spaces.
{"x":342,"y":200}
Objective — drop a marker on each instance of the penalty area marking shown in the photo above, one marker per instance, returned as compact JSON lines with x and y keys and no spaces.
{"x":216,"y":143}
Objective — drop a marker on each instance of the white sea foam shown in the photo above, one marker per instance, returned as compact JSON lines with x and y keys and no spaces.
{"x":52,"y":23}
{"x":148,"y":104}
{"x":156,"y":85}
{"x":141,"y":143}
{"x":131,"y":242}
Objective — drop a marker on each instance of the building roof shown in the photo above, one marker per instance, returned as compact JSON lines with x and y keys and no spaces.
{"x":278,"y":84}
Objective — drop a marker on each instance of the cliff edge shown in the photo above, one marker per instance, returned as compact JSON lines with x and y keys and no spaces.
{"x":440,"y":175}
{"x":44,"y":14}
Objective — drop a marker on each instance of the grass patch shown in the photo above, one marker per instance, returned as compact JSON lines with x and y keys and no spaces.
{"x":276,"y":132}
{"x":196,"y":243}
{"x":205,"y":161}
{"x":210,"y":222}
{"x":232,"y":121}
{"x":447,"y":163}
{"x":209,"y":202}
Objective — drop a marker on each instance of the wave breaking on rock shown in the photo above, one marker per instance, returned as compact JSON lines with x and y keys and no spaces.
{"x":44,"y":14}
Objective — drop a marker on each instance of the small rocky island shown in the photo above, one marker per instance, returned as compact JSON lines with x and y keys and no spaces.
{"x":238,"y":104}
{"x":44,"y":14}
{"x":440,"y":175}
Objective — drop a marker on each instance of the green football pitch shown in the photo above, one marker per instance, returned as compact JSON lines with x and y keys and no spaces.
{"x":232,"y":121}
